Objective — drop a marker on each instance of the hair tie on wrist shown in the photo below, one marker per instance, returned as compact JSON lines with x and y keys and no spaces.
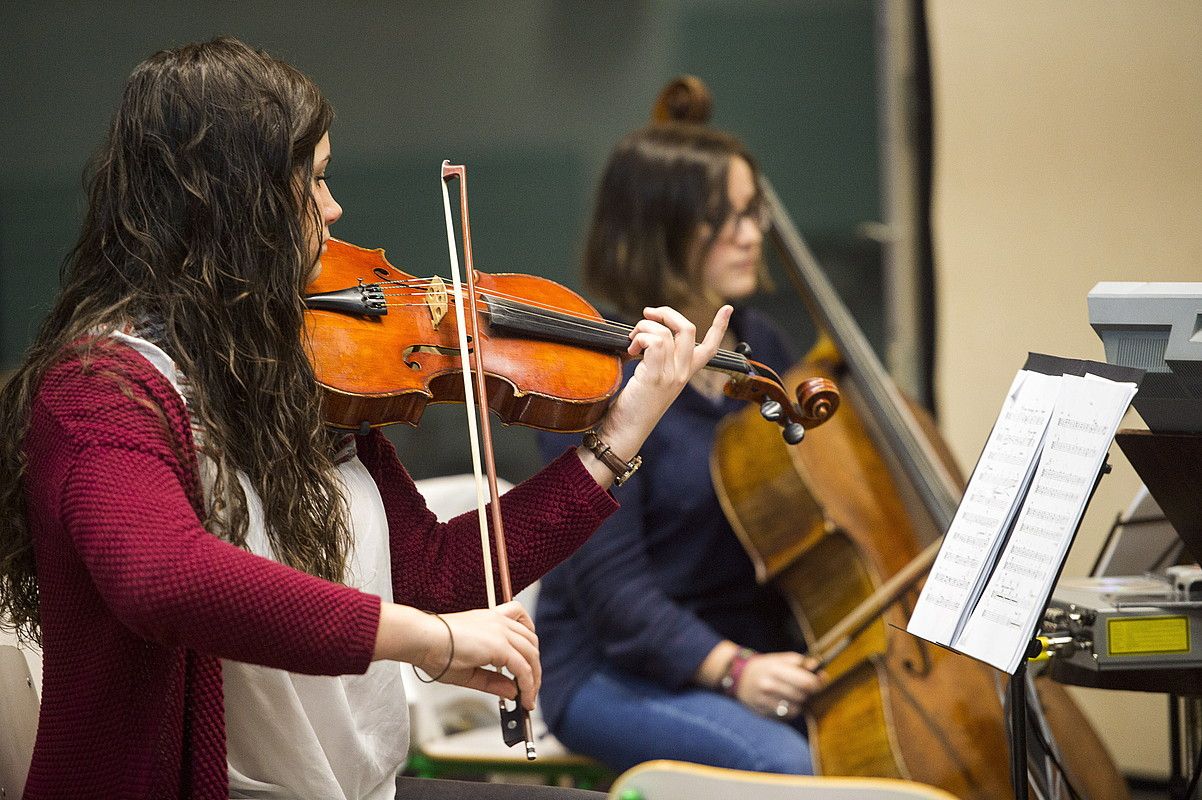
{"x":729,"y":682}
{"x":450,"y":658}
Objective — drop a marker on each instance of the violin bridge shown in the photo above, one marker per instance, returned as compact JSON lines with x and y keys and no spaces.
{"x":436,"y":299}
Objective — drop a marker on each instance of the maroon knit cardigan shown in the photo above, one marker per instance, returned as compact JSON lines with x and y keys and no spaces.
{"x":139,"y":602}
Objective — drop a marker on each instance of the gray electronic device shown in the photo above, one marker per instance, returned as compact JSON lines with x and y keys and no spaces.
{"x":1156,"y":327}
{"x":1123,"y":623}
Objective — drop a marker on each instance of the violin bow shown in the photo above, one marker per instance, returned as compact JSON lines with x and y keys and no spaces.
{"x":515,"y":721}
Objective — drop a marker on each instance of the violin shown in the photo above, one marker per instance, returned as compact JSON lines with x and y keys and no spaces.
{"x":384,"y":344}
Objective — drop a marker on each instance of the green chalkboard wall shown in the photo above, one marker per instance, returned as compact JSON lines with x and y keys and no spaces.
{"x":530,"y":95}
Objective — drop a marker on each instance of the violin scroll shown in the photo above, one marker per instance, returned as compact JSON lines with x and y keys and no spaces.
{"x":817,"y":400}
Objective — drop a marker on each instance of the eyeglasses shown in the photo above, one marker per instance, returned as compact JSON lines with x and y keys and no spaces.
{"x":756,"y":211}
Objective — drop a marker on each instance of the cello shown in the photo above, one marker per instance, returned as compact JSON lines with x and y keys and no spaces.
{"x":844,"y":529}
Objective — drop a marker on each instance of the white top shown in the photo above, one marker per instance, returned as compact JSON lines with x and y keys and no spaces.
{"x":313,"y":736}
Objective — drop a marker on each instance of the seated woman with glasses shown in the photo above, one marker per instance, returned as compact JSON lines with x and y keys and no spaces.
{"x":657,"y":641}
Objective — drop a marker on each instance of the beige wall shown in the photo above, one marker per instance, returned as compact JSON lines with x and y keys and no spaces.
{"x":1068,"y":151}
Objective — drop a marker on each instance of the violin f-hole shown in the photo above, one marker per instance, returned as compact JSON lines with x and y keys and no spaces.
{"x":435,"y":349}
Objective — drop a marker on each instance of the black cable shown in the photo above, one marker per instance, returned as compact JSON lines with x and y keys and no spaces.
{"x":1193,"y":782}
{"x":1059,"y":767}
{"x":1047,"y":748}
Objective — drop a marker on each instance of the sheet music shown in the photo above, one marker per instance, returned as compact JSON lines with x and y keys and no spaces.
{"x":989,"y":505}
{"x":1087,"y":414}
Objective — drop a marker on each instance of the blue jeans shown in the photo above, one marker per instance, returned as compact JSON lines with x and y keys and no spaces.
{"x":622,"y":720}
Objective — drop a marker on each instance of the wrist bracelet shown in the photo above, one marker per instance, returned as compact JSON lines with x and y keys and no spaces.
{"x":729,"y":682}
{"x":622,"y":470}
{"x":450,"y":658}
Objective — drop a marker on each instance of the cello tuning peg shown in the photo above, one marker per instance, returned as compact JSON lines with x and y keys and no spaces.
{"x":743,"y":349}
{"x":793,"y":433}
{"x":770,"y":410}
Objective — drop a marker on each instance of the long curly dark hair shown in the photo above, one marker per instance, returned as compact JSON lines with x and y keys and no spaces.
{"x":199,"y":223}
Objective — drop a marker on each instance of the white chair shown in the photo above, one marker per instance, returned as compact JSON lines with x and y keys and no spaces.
{"x":20,"y":692}
{"x":676,"y":780}
{"x":458,"y":731}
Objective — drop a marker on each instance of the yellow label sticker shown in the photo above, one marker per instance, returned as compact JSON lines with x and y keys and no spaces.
{"x":1144,"y":635}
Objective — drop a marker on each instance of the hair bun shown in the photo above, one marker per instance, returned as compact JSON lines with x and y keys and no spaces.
{"x":684,"y":99}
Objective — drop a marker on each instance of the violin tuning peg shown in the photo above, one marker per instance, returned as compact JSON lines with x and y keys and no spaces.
{"x":743,"y":349}
{"x":770,"y":410}
{"x":793,"y":433}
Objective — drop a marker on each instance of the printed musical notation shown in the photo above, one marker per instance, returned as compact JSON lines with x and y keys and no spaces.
{"x":1010,"y":620}
{"x":952,"y":580}
{"x":1022,"y":506}
{"x":943,"y":601}
{"x":1042,"y":531}
{"x":1084,"y":451}
{"x":1082,"y":426}
{"x":989,"y":503}
{"x":1065,"y":477}
{"x":1049,"y":515}
{"x":1043,"y":490}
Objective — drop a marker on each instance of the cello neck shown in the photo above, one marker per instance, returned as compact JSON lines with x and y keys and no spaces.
{"x":900,"y":431}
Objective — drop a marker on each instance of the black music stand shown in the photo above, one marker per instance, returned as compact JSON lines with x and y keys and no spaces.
{"x":1052,"y":366}
{"x":1017,"y":690}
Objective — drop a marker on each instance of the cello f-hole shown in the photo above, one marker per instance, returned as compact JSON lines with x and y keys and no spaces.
{"x":923,"y":669}
{"x":924,"y":654}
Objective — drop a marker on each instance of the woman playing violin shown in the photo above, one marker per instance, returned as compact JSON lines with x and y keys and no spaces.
{"x":222,"y":586}
{"x":657,"y":640}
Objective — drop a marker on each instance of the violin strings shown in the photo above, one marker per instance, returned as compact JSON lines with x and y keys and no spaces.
{"x":574,"y":322}
{"x":577,"y":323}
{"x":588,"y":325}
{"x":530,"y":309}
{"x":566,"y":319}
{"x":527,"y":304}
{"x":418,"y":283}
{"x":527,"y":307}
